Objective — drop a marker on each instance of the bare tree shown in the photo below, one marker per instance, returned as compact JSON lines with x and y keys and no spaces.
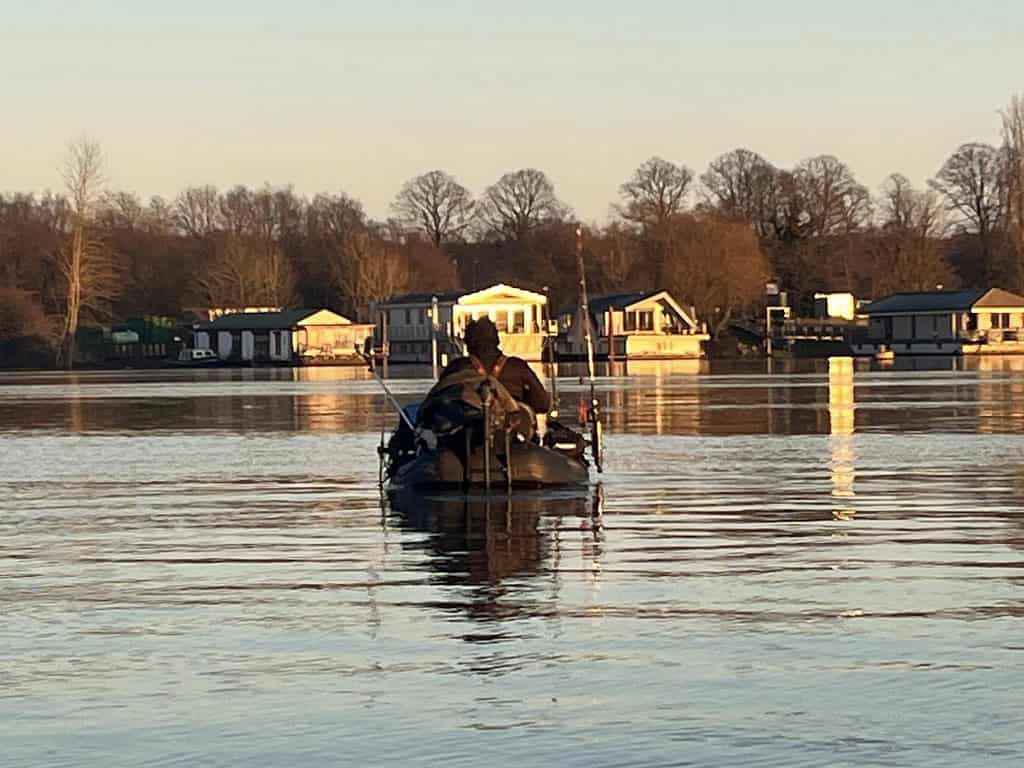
{"x":741,"y":186}
{"x":196,"y":211}
{"x":1013,"y":150}
{"x":436,"y":204}
{"x":368,"y":267}
{"x":519,"y":202}
{"x":904,"y":208}
{"x":717,"y":266}
{"x":84,"y":264}
{"x":970,"y":180}
{"x":905,"y":253}
{"x":834,"y":203}
{"x":244,"y":273}
{"x":655,"y":192}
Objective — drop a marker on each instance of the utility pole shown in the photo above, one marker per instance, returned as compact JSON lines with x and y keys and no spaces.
{"x":433,"y":335}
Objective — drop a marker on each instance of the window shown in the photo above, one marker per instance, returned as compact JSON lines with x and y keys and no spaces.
{"x":408,"y":317}
{"x":630,"y":321}
{"x":502,"y":322}
{"x":1001,"y":320}
{"x":518,"y":322}
{"x":645,"y":321}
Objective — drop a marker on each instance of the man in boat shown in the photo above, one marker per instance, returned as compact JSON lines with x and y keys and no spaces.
{"x":485,"y":357}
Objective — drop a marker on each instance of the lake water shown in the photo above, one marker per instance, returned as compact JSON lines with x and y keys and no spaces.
{"x":812,"y":565}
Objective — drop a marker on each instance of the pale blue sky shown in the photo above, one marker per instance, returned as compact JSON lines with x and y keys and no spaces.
{"x":362,"y":95}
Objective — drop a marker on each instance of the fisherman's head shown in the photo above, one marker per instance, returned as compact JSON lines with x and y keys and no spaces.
{"x":481,"y":336}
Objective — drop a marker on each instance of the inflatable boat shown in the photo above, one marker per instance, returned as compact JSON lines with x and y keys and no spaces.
{"x":470,"y":433}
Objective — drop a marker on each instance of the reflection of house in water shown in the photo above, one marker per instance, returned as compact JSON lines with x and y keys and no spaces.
{"x":630,"y":326}
{"x":842,"y":423}
{"x":1000,"y":392}
{"x":658,"y":397}
{"x":322,"y":406}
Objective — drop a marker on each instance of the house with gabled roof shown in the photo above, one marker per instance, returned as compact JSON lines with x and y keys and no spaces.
{"x":630,"y":326}
{"x":945,"y":323}
{"x":287,"y":336}
{"x":412,"y":325}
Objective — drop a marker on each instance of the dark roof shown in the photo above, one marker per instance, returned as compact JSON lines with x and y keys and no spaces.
{"x":259,"y":321}
{"x":931,"y":301}
{"x":600,"y":304}
{"x":424,"y":298}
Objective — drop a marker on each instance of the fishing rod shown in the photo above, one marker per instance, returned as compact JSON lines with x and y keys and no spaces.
{"x":593,"y":410}
{"x":387,"y":392}
{"x":551,"y":365}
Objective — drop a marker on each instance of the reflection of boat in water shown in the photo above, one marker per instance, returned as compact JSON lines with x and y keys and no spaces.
{"x":481,"y":539}
{"x":885,"y":354}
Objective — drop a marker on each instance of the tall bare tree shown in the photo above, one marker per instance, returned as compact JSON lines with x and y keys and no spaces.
{"x":972,"y":181}
{"x":436,"y":204}
{"x":369,"y":267}
{"x":655,"y":192}
{"x":519,"y":202}
{"x":905,"y":253}
{"x":740,"y":185}
{"x":834,"y":202}
{"x":84,"y":263}
{"x":907,"y":209}
{"x":1013,"y":149}
{"x":717,"y":266}
{"x":197,"y":211}
{"x":243,"y":273}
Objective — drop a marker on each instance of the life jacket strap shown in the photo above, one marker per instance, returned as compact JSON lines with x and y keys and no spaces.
{"x":499,"y":366}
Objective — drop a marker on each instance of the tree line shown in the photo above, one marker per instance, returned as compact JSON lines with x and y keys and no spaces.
{"x":92,"y":254}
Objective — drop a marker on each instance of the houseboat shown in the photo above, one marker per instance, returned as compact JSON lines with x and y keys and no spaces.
{"x":631,"y":326}
{"x":414,"y":327}
{"x":283,"y":337}
{"x":944,"y":323}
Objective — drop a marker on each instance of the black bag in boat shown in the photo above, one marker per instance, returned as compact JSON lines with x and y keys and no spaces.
{"x":456,"y":403}
{"x":566,"y":441}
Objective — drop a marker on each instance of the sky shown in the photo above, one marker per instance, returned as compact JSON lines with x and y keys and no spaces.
{"x":360,"y":96}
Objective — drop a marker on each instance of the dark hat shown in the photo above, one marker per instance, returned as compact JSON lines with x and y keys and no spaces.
{"x":481,"y":334}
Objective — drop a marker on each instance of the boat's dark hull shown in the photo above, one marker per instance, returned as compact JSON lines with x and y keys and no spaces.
{"x":528,"y":466}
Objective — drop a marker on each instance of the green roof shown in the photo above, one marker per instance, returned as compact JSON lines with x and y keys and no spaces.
{"x":259,"y":321}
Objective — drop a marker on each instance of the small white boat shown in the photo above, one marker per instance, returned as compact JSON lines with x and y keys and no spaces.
{"x":190,"y":357}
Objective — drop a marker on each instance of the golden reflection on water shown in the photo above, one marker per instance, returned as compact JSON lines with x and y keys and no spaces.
{"x":842,"y":424}
{"x":999,"y":401}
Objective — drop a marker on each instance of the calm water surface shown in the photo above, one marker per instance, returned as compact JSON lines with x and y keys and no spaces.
{"x":813,"y":565}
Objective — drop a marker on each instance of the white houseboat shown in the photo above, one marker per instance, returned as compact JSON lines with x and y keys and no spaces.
{"x":411,"y":327}
{"x":633,"y":326}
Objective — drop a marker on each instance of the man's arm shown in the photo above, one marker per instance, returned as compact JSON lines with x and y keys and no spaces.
{"x":533,"y":391}
{"x":456,"y":365}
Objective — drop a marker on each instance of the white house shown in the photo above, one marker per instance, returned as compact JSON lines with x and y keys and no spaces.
{"x":945,"y":323}
{"x":284,"y":336}
{"x":409,"y":325}
{"x":632,"y":326}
